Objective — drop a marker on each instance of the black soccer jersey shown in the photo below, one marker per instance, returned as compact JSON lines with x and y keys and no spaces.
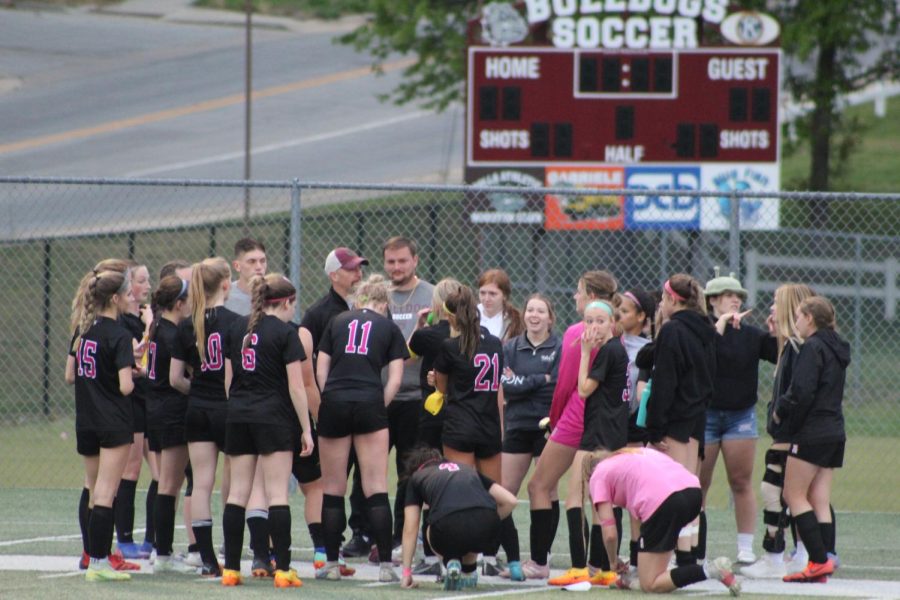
{"x":259,"y":388}
{"x":471,"y":399}
{"x":166,"y":406}
{"x":426,"y":343}
{"x":606,"y":411}
{"x":360,"y":343}
{"x":448,"y":487}
{"x":208,"y":378}
{"x":134,"y":325}
{"x":101,"y":352}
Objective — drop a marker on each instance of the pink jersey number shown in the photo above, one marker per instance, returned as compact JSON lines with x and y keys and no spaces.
{"x":248,"y":355}
{"x":485,"y":362}
{"x":87,"y":364}
{"x":363,"y":347}
{"x":215,"y":360}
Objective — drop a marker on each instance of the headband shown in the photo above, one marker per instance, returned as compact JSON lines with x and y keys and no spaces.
{"x":281,"y":299}
{"x":184,"y":290}
{"x":634,"y":299}
{"x":126,"y":283}
{"x":600,"y":304}
{"x":667,"y":286}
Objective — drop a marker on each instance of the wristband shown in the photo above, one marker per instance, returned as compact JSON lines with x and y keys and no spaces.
{"x":607,"y":522}
{"x":407,"y":572}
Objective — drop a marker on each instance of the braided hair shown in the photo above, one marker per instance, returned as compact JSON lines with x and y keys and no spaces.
{"x":269,"y":290}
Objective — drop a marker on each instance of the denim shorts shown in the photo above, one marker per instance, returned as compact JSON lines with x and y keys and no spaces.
{"x":724,"y":425}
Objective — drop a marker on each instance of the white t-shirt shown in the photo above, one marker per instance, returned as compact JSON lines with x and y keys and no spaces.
{"x":493,"y":324}
{"x":238,"y":300}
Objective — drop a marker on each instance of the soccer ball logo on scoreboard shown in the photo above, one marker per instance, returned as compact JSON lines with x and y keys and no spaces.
{"x":624,"y":85}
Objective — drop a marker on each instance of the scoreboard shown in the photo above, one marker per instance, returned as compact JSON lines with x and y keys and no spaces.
{"x":616,"y":96}
{"x":539,"y":106}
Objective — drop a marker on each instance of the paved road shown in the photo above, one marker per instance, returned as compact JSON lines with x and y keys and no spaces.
{"x":115,"y":96}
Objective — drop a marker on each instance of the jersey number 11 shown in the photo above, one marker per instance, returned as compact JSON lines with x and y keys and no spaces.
{"x":363,"y":347}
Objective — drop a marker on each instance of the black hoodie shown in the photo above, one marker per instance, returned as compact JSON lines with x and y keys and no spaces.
{"x":811,"y":408}
{"x":783,"y":373}
{"x":683,"y":372}
{"x":738,"y":352}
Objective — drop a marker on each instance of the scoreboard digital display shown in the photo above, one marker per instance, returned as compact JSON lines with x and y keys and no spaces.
{"x":539,"y":106}
{"x":611,"y":94}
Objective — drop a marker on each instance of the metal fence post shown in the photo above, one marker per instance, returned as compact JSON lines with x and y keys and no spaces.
{"x":295,"y":242}
{"x":46,"y":341}
{"x":857,"y":318}
{"x":734,"y":236}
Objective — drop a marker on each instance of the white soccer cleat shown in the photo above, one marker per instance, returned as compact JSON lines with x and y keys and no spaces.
{"x":765,"y":568}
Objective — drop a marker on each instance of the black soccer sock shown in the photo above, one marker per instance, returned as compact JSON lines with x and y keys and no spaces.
{"x":554,"y":523}
{"x":686,"y":575}
{"x":124,"y":511}
{"x":809,"y":532}
{"x":334,"y":520}
{"x":700,"y":549}
{"x":540,"y":534}
{"x":150,"y":507}
{"x":684,"y":558}
{"x":426,"y":545}
{"x":633,"y":548}
{"x":509,"y":537}
{"x":203,"y":533}
{"x":833,"y":548}
{"x":578,"y":533}
{"x":316,"y":535}
{"x":233,"y":531}
{"x":399,"y":508}
{"x":280,"y":530}
{"x":597,"y":550}
{"x":84,"y":517}
{"x":258,"y":524}
{"x":100,"y":531}
{"x":165,"y":524}
{"x":379,"y":510}
{"x":827,"y":530}
{"x":617,"y":515}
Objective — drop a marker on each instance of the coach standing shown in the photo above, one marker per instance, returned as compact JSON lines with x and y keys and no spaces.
{"x":410,"y":295}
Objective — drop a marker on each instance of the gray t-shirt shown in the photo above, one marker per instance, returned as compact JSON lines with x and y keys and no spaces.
{"x":405,"y":307}
{"x":238,"y":300}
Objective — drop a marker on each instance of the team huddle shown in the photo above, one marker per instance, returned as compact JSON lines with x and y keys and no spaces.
{"x":635,"y":401}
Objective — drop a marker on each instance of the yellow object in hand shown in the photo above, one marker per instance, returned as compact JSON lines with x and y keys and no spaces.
{"x":434,"y":402}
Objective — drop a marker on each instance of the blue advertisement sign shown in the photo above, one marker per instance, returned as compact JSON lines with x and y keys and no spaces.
{"x":658,"y":210}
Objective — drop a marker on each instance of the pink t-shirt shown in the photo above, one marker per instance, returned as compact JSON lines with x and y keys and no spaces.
{"x":639,"y":481}
{"x":567,"y":375}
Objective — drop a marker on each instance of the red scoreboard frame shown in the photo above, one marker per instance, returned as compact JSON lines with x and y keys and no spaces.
{"x":542,"y":106}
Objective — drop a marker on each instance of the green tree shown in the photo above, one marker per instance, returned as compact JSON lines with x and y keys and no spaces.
{"x":830,"y":34}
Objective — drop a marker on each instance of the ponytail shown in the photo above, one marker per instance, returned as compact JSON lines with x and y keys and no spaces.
{"x":266,"y":291}
{"x":206,"y":278}
{"x":461,"y":304}
{"x":171,"y":289}
{"x":688,"y":291}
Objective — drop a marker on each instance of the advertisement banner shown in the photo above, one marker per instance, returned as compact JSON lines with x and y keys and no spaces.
{"x":585,"y":211}
{"x":755,"y":213}
{"x":512,"y":207}
{"x":657,"y":210}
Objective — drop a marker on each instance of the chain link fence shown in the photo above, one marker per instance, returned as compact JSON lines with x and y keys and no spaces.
{"x":843,"y":245}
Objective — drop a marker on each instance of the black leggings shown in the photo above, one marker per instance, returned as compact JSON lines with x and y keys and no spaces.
{"x":465,"y":531}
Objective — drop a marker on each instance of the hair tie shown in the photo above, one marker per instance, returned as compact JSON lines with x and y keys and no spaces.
{"x":447,"y":309}
{"x":667,"y":286}
{"x":600,"y":304}
{"x":184,"y":290}
{"x":362,"y":299}
{"x":280,"y":299}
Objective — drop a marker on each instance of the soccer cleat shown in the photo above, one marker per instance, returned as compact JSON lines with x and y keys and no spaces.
{"x":468,"y":580}
{"x":452,"y":580}
{"x":492,"y":567}
{"x":192,"y":559}
{"x":720,"y":570}
{"x":85,"y":561}
{"x":330,"y":572}
{"x":513,"y":571}
{"x":120,"y":564}
{"x":345,"y":569}
{"x":571,"y":576}
{"x":813,"y":571}
{"x":132,"y":550}
{"x":147,"y":547}
{"x":628,"y":580}
{"x":262,"y":567}
{"x":603,"y":578}
{"x":835,"y":559}
{"x":766,"y":567}
{"x":231,"y":578}
{"x":374,"y":559}
{"x":532,"y":570}
{"x":103,"y":571}
{"x":357,"y":546}
{"x":211,"y":571}
{"x":287,"y":579}
{"x":387,"y":574}
{"x":172,"y":564}
{"x":746,"y":557}
{"x":319,"y":558}
{"x":426,"y":568}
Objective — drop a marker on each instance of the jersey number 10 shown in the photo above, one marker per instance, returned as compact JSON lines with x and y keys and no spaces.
{"x":363,"y":347}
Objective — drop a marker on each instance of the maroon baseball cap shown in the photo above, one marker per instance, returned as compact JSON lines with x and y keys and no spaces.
{"x":343,"y":258}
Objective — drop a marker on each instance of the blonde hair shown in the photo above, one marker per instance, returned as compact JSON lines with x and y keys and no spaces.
{"x":375,"y":289}
{"x":442,"y":290}
{"x":99,"y":291}
{"x":269,"y":290}
{"x":207,"y":277}
{"x":788,"y":298}
{"x":78,"y":302}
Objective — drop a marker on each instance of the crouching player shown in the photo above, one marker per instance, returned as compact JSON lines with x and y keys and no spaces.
{"x":665,"y":496}
{"x":465,"y":510}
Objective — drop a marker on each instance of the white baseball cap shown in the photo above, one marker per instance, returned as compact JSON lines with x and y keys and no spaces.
{"x":343,"y":258}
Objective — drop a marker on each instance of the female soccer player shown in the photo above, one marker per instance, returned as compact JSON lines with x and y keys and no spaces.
{"x":498,"y":315}
{"x":567,"y":423}
{"x":167,"y":408}
{"x":532,"y":365}
{"x":101,"y":369}
{"x":666,"y":497}
{"x":354,"y":349}
{"x":811,"y":409}
{"x":788,"y":298}
{"x":731,"y":417}
{"x":265,"y":403}
{"x":466,"y":509}
{"x":200,"y":346}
